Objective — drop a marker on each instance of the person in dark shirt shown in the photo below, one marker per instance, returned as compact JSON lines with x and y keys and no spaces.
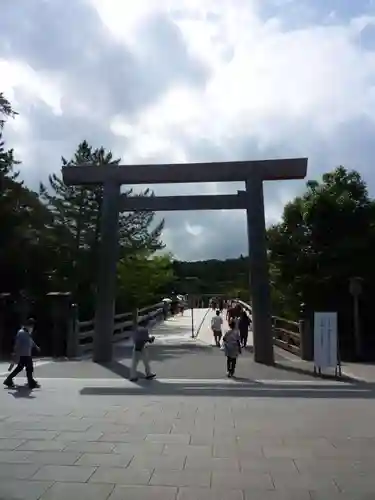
{"x":221,"y":305}
{"x":243,"y":326}
{"x":231,"y":313}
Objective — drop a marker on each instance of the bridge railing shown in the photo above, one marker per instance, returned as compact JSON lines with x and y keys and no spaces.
{"x":286,"y":333}
{"x":121,"y":329}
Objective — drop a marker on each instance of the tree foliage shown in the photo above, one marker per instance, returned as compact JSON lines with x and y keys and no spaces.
{"x":229,"y":277}
{"x":78,"y":208}
{"x":50,"y":240}
{"x":143,"y":276}
{"x":323,"y":239}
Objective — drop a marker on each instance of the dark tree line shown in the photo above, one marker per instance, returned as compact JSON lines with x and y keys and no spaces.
{"x":49,"y":240}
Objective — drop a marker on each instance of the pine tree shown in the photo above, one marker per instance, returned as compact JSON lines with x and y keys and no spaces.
{"x":79,"y":209}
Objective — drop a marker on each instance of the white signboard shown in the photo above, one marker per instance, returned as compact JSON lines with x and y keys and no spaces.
{"x":325,"y":339}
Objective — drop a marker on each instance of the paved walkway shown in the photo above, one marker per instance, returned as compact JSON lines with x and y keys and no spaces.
{"x":95,"y":436}
{"x":175,"y":355}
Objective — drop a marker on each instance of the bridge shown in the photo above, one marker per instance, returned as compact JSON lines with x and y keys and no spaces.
{"x":184,"y":348}
{"x":191,"y":434}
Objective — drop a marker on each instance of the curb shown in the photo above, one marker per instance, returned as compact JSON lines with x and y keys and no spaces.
{"x":354,"y":378}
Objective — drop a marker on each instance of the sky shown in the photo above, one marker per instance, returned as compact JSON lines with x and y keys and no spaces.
{"x":162,"y":81}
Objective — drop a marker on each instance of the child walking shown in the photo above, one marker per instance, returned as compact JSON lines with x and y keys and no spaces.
{"x":232,"y":347}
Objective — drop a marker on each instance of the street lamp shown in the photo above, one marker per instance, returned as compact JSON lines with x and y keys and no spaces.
{"x":355,"y":288}
{"x":190,"y":280}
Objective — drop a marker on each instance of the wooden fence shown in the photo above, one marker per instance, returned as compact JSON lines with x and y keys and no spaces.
{"x":286,"y":333}
{"x":122,"y":326}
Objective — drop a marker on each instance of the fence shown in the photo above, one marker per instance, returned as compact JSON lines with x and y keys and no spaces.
{"x":122,"y":326}
{"x":286,"y":333}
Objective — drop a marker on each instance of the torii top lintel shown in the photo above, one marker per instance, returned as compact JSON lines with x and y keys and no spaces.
{"x":231,"y":171}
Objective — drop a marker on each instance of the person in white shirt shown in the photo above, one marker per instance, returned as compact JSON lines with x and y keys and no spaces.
{"x":216,"y":326}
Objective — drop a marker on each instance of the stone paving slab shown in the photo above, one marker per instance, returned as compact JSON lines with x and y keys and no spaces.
{"x":264,"y":438}
{"x":204,"y":447}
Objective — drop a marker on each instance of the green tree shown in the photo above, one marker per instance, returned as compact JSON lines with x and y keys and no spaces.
{"x":229,"y":277}
{"x":143,"y":278}
{"x":7,"y":159}
{"x":323,"y":240}
{"x":27,"y":232}
{"x":78,"y":208}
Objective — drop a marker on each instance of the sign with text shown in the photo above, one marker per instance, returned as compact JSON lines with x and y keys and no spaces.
{"x":325,"y":339}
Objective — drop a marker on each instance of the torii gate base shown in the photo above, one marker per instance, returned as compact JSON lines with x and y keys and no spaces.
{"x":252,"y":173}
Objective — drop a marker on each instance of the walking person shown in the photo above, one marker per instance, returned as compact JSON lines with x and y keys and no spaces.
{"x":231,"y":312}
{"x":23,"y":348}
{"x":232,"y":348}
{"x":244,"y":325}
{"x":221,"y":305}
{"x":141,"y":337}
{"x":216,"y":326}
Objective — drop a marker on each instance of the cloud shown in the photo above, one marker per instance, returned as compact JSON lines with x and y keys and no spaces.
{"x":161,"y":81}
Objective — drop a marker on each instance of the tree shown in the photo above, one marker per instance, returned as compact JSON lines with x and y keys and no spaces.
{"x":323,"y":241}
{"x":78,"y":208}
{"x":143,"y":278}
{"x":27,"y":234}
{"x":229,"y":277}
{"x":6,"y":110}
{"x":7,"y":159}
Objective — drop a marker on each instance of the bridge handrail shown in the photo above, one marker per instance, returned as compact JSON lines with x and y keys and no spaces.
{"x":122,"y":325}
{"x":286,"y":333}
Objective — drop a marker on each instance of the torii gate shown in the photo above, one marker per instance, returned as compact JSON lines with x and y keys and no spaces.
{"x":253,"y":173}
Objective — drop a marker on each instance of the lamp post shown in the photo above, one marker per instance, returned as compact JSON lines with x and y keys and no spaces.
{"x":190,"y":280}
{"x":355,"y":288}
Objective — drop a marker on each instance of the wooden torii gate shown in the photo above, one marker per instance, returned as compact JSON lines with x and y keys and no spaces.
{"x":252,"y":173}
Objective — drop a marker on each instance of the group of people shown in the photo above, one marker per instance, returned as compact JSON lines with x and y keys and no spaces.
{"x":235,"y":338}
{"x":233,"y":341}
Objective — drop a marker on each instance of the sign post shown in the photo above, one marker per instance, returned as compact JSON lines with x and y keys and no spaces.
{"x":192,"y":317}
{"x":326,"y":352}
{"x":355,"y":288}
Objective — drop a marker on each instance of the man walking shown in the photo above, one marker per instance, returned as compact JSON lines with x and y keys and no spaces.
{"x":23,"y":348}
{"x":141,"y":337}
{"x":243,"y":326}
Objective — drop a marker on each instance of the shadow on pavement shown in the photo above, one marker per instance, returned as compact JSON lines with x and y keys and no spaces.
{"x":158,"y":353}
{"x":249,"y":389}
{"x":21,"y":392}
{"x":117,"y":368}
{"x":310,"y":372}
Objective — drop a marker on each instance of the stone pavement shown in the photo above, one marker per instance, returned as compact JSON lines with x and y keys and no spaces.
{"x":92,"y":435}
{"x":364,"y":372}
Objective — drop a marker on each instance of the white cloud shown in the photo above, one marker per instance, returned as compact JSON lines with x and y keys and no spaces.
{"x":270,"y":90}
{"x":32,"y":85}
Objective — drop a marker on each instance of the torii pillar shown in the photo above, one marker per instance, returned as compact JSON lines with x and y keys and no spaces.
{"x":259,"y":281}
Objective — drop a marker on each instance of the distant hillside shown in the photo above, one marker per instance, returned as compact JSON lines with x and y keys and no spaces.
{"x":214,"y":276}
